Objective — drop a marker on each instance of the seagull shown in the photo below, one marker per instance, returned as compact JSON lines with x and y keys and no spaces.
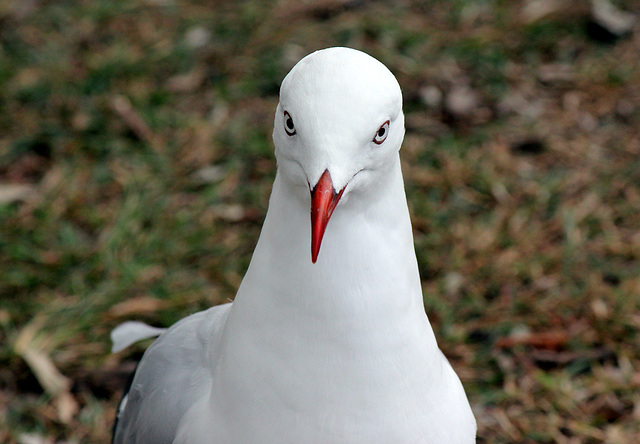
{"x":330,"y":345}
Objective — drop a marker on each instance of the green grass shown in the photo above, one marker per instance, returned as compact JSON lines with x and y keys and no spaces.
{"x":112,"y":113}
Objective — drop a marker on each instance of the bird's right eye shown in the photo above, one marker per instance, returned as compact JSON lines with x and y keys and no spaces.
{"x":289,"y":127}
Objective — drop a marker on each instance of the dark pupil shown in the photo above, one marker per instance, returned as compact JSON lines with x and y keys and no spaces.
{"x":381,"y":132}
{"x":289,"y":123}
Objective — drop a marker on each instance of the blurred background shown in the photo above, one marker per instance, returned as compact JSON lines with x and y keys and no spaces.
{"x":136,"y":164}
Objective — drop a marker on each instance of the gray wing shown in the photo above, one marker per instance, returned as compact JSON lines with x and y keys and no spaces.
{"x":173,"y":374}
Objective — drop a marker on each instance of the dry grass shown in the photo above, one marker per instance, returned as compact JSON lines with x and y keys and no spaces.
{"x":136,"y":164}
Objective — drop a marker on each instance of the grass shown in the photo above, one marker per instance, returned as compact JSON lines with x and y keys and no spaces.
{"x":138,"y":137}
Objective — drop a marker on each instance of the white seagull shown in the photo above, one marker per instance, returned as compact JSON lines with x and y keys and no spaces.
{"x":327,"y":347}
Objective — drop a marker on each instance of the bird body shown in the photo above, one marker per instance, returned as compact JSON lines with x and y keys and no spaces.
{"x":333,"y":349}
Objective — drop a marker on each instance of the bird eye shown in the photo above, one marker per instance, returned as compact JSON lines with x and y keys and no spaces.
{"x":288,"y":124}
{"x":381,"y":134}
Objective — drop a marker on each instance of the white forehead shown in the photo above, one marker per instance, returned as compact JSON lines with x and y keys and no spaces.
{"x":341,"y":85}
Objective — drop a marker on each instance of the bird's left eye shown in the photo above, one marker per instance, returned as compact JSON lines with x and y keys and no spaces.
{"x":381,"y":134}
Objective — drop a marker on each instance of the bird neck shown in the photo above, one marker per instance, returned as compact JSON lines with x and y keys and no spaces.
{"x":354,"y":321}
{"x":366,"y":272}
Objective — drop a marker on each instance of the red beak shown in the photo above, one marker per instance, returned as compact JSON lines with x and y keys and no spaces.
{"x":323,"y":201}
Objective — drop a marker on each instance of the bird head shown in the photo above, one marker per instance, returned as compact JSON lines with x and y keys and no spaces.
{"x":339,"y":123}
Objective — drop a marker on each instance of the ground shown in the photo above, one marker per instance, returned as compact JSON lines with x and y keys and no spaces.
{"x":136,"y":165}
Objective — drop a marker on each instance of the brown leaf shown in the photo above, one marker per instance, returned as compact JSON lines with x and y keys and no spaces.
{"x":31,"y":345}
{"x":137,"y":306}
{"x":10,"y":193}
{"x":548,"y":340}
{"x":122,"y":106}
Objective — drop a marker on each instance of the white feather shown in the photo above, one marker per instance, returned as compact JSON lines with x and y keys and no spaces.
{"x":130,"y":332}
